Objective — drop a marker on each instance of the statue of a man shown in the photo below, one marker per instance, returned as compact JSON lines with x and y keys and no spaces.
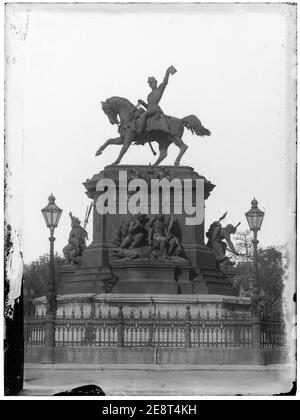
{"x":158,"y":235}
{"x":77,"y":241}
{"x":136,"y":234}
{"x":175,"y":247}
{"x":154,"y":98}
{"x":216,"y":236}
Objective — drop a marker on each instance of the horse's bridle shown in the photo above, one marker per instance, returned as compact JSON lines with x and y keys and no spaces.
{"x":130,"y":117}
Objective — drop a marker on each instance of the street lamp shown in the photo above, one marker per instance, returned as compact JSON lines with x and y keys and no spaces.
{"x":51,"y":215}
{"x":255,"y":218}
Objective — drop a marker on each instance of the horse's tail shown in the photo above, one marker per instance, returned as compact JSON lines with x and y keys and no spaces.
{"x":192,"y":123}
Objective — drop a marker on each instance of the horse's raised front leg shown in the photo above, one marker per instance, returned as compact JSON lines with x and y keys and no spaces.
{"x":183,"y":148}
{"x":117,"y":140}
{"x":126,"y":144}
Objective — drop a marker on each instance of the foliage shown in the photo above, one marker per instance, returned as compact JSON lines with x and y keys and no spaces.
{"x":271,"y":279}
{"x":35,"y":275}
{"x":270,"y":272}
{"x":243,"y":245}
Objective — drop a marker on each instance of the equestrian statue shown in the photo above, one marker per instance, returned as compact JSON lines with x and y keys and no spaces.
{"x":146,"y":123}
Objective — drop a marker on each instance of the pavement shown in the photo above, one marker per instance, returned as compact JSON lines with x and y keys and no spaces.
{"x":159,"y":380}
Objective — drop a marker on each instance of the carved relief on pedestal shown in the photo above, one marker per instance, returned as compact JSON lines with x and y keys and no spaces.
{"x":155,"y":237}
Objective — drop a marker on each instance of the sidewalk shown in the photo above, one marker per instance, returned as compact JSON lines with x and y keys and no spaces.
{"x":159,"y":380}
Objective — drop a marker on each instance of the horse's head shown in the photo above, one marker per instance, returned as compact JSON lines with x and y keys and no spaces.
{"x":115,"y":106}
{"x":109,"y":109}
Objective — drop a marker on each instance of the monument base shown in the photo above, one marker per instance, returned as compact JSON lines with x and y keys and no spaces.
{"x":146,"y":276}
{"x":190,"y":267}
{"x":83,"y":304}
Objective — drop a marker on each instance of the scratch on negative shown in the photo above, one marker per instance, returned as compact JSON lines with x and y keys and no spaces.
{"x":14,"y":272}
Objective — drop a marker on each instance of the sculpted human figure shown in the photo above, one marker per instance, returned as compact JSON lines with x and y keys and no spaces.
{"x":219,"y":240}
{"x":175,"y":247}
{"x":153,"y":98}
{"x":133,"y":127}
{"x":158,"y":235}
{"x":136,"y":233}
{"x":121,"y":233}
{"x":77,"y":241}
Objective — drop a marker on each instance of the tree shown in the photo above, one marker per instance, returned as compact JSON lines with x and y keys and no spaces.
{"x":243,"y":245}
{"x":35,"y":277}
{"x":270,"y":272}
{"x":271,"y":279}
{"x":243,"y":261}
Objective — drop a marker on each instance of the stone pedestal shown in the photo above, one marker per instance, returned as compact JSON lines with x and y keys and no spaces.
{"x":105,"y":226}
{"x":82,"y":304}
{"x":101,"y":271}
{"x":151,"y":276}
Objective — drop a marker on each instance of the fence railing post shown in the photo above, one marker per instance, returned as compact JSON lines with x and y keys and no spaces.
{"x":256,"y":331}
{"x":120,"y":342}
{"x":256,"y":339}
{"x":187,"y":328}
{"x":89,"y":331}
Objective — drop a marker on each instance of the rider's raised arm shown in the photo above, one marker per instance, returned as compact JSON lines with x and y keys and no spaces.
{"x":165,"y":81}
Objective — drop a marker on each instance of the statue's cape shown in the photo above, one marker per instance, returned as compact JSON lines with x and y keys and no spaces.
{"x":159,"y":122}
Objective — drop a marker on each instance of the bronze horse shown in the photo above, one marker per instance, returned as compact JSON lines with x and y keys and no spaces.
{"x":165,"y":130}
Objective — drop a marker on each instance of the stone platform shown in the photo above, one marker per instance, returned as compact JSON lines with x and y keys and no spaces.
{"x":81,"y":304}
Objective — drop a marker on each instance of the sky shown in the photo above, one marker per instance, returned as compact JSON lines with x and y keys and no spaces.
{"x":235,"y":70}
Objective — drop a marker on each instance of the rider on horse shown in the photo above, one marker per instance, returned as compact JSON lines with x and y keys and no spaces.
{"x":134,"y":126}
{"x":153,"y":98}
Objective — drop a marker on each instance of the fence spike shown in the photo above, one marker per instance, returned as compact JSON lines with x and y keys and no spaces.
{"x":120,"y":313}
{"x":188,"y":312}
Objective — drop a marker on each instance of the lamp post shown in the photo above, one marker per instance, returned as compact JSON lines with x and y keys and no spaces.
{"x":51,"y":215}
{"x":255,"y":218}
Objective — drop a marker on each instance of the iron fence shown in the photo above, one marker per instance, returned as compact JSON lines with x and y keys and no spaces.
{"x":34,"y":331}
{"x":225,"y":331}
{"x":273,"y":333}
{"x":154,"y":330}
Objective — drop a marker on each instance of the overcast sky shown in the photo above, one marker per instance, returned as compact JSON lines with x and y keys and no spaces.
{"x":235,"y":71}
